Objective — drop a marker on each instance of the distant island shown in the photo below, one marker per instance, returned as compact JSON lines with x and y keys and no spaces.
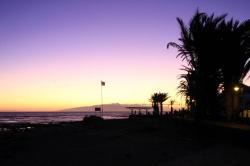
{"x":114,"y":107}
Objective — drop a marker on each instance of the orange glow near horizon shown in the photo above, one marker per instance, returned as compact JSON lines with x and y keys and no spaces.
{"x":55,"y":88}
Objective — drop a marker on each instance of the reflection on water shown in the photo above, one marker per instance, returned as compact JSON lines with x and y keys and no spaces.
{"x":53,"y":117}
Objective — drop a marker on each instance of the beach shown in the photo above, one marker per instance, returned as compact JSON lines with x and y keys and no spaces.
{"x":139,"y":141}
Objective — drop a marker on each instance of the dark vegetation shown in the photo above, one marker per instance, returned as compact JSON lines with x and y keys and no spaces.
{"x":217,"y":53}
{"x":157,"y":100}
{"x":92,"y":119}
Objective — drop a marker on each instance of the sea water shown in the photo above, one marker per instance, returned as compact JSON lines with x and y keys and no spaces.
{"x":54,"y":117}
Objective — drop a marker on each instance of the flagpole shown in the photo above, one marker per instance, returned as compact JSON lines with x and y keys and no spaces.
{"x":101,"y":101}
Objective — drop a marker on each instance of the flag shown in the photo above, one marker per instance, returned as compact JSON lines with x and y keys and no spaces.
{"x":102,"y":83}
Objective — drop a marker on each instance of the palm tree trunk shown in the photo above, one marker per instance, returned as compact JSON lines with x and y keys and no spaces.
{"x":161,"y":108}
{"x":229,"y":104}
{"x":156,"y":108}
{"x":232,"y":102}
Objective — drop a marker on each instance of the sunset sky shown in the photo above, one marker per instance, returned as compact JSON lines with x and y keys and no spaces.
{"x":54,"y":53}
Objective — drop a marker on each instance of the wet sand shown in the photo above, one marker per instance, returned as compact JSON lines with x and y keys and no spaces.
{"x":137,"y":142}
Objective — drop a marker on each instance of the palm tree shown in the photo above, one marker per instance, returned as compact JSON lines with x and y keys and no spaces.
{"x":162,"y":97}
{"x":199,"y":42}
{"x":217,"y":53}
{"x":158,"y":99}
{"x":154,"y":100}
{"x":187,"y":87}
{"x":235,"y":57}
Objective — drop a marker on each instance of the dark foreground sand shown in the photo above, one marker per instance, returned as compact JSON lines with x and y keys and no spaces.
{"x":126,"y":142}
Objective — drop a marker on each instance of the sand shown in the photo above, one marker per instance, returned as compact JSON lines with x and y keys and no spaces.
{"x":149,"y":142}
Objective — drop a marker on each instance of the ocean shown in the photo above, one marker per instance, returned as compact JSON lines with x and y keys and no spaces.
{"x":53,"y":117}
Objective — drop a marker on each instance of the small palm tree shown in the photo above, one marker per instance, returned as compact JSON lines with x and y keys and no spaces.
{"x":162,"y":97}
{"x":154,"y":100}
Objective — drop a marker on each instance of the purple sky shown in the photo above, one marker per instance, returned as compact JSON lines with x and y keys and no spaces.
{"x":55,"y":52}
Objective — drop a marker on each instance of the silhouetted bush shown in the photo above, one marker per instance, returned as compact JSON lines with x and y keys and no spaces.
{"x":93,"y":119}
